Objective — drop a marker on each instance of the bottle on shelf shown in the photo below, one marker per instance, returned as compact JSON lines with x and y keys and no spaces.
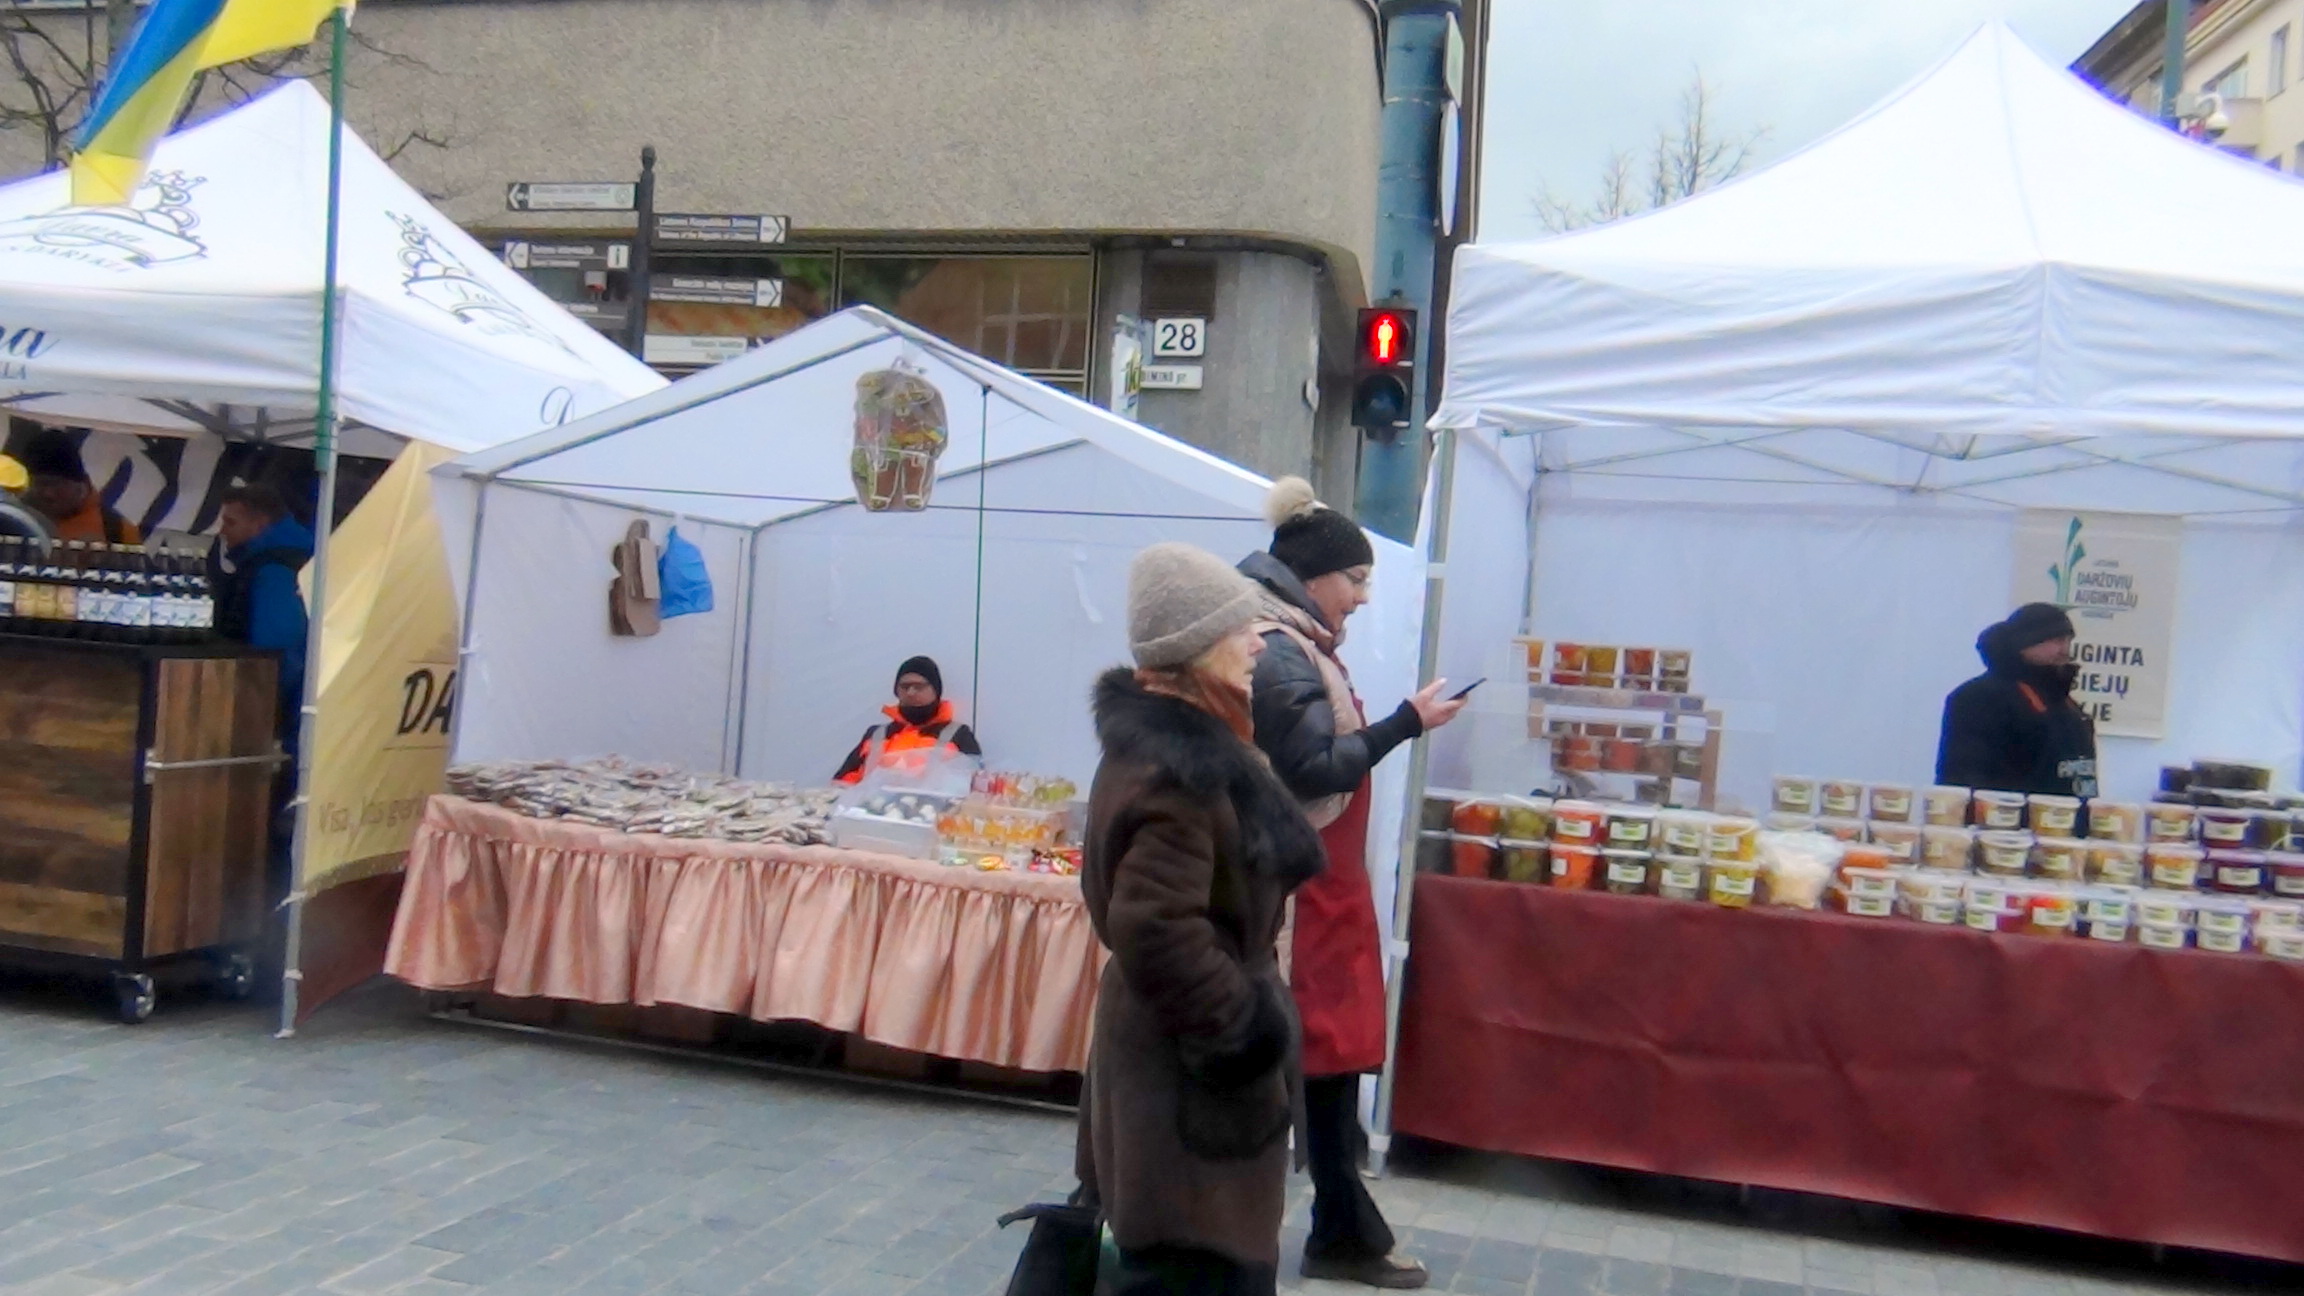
{"x":161,"y":595}
{"x":102,"y":610}
{"x":137,"y":588}
{"x":11,"y":550}
{"x":72,"y":569}
{"x":32,"y":597}
{"x":203,"y":600}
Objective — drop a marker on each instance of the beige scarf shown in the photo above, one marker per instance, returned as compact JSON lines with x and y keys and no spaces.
{"x":1319,"y":647}
{"x":1318,"y":644}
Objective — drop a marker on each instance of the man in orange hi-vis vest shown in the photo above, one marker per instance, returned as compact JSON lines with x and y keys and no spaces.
{"x":919,"y":723}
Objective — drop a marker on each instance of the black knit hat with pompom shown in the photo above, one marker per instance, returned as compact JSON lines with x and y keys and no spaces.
{"x":1310,"y":538}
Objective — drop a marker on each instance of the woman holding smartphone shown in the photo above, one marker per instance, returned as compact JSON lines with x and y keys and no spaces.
{"x":1310,"y":725}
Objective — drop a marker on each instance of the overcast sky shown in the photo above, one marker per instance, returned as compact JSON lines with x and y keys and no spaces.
{"x":1570,"y":80}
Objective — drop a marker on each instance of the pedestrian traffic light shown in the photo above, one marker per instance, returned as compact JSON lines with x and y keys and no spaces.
{"x":1384,"y":370}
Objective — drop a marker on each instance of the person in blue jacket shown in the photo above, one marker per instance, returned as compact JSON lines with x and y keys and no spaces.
{"x":258,"y":602}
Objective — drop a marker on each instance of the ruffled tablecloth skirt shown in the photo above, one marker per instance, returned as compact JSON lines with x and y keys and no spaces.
{"x":999,"y":968}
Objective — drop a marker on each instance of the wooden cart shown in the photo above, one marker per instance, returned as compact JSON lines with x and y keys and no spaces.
{"x":135,"y":805}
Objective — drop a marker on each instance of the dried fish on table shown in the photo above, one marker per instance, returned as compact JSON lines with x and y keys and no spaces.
{"x":628,"y":797}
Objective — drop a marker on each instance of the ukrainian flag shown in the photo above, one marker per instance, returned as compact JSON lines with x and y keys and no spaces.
{"x":152,"y":76}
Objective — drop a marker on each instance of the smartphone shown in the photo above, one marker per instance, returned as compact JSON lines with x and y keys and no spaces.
{"x":1466,"y":691}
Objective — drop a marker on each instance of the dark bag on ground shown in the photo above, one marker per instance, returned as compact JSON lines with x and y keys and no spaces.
{"x":1059,"y":1258}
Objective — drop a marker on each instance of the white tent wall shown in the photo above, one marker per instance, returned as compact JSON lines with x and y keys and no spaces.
{"x":543,"y":677}
{"x":844,"y":595}
{"x":1488,"y":566}
{"x":1830,"y":635}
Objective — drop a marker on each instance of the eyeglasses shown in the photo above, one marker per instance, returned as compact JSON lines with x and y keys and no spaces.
{"x":1359,"y":576}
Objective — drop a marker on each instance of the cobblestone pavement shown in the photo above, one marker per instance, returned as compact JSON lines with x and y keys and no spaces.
{"x":381,"y":1151}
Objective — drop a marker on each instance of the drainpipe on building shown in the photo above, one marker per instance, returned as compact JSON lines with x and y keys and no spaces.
{"x":1407,"y":236}
{"x":2172,"y":61}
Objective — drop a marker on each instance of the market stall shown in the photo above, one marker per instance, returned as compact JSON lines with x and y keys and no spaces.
{"x":135,"y":790}
{"x":183,"y":329}
{"x":1824,"y":425}
{"x":991,"y":531}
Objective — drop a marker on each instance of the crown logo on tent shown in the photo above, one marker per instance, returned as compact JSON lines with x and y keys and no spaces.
{"x":154,"y":229}
{"x":436,"y":276}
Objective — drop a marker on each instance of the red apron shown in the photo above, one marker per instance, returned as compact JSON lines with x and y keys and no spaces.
{"x":1334,"y":968}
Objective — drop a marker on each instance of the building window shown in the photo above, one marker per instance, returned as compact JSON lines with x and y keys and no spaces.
{"x":2231,"y":83}
{"x":2276,"y":64}
{"x":1030,"y":313}
{"x":1179,"y":284}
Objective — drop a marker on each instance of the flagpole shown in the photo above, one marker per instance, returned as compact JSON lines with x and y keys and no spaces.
{"x":323,"y":521}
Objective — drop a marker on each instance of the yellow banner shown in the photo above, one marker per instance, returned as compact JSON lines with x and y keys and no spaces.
{"x":387,"y":679}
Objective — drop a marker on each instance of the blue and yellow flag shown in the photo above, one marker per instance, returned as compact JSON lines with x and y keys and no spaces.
{"x":152,"y":75}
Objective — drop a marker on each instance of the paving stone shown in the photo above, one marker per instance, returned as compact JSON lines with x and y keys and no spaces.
{"x":1508,"y":1261}
{"x":1622,"y":1277}
{"x":1568,"y":1271}
{"x":1701,"y":1282}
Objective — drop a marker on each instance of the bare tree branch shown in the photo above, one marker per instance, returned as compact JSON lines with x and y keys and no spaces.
{"x":1683,"y":160}
{"x":51,"y":66}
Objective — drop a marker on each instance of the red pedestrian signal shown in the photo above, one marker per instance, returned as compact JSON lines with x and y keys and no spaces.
{"x":1384,"y":370}
{"x":1386,"y":336}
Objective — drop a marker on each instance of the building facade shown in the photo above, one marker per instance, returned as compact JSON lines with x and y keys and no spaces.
{"x":2247,"y":54}
{"x":1025,"y":178}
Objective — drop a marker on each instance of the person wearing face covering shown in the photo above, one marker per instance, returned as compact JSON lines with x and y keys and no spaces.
{"x":921,"y":721}
{"x":2015,"y":728}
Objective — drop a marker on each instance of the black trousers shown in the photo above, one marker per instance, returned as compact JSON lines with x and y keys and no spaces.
{"x":1346,"y":1224}
{"x":1184,"y":1271}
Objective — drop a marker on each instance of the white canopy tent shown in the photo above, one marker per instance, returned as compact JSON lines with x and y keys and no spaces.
{"x":1798,"y":414}
{"x":1791,"y":424}
{"x":1014,"y":578}
{"x":196,"y":312}
{"x":198,"y":309}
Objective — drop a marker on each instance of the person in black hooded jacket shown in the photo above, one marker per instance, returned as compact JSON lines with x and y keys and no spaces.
{"x":2015,"y":728}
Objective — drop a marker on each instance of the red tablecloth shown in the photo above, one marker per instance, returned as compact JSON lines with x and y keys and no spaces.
{"x":999,"y":968}
{"x":2108,"y":1089}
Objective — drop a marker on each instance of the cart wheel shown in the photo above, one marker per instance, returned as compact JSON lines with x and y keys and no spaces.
{"x":236,"y":976}
{"x":137,"y":997}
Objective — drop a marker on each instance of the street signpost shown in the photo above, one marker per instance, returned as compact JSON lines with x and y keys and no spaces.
{"x":570,"y":195}
{"x":689,"y":227}
{"x":766,"y":293}
{"x":528,"y":254}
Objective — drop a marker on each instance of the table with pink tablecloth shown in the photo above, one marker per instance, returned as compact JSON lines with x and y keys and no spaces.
{"x":999,"y":968}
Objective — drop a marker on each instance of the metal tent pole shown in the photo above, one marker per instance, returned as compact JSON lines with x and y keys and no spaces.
{"x":1411,"y":819}
{"x":323,"y":521}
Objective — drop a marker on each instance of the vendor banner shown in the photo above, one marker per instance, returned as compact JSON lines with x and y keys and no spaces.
{"x":2116,"y":573}
{"x":387,"y":679}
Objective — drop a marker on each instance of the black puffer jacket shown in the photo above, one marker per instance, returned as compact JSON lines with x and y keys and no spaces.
{"x":1295,"y":721}
{"x":2015,"y":728}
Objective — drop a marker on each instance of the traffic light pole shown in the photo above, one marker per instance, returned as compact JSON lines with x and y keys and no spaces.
{"x":2172,"y":59}
{"x":1407,"y":241}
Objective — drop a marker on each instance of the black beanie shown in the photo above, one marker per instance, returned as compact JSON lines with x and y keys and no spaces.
{"x":2035,"y":623}
{"x":1310,"y":538}
{"x":53,"y":452}
{"x":925,"y":668}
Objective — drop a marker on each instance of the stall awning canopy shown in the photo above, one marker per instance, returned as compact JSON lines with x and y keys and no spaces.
{"x":766,"y":437}
{"x":1994,"y":276}
{"x":199,"y":307}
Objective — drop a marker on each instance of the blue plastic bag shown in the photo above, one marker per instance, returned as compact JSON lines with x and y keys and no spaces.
{"x":685,"y":584}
